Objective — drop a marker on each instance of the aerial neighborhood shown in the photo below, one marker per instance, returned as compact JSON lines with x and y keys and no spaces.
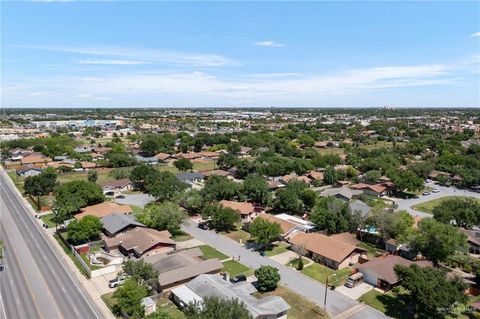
{"x":265,"y":214}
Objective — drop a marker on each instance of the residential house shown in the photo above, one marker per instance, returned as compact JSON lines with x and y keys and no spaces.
{"x":119,"y":185}
{"x":216,"y":172}
{"x":35,"y":159}
{"x":291,"y":177}
{"x":245,"y":209}
{"x":179,"y":267}
{"x":275,"y":184}
{"x":146,"y":160}
{"x":116,"y":223}
{"x":104,"y":209}
{"x":271,"y":307}
{"x":190,"y":177}
{"x":343,"y":193}
{"x":163,"y":157}
{"x":323,"y":249}
{"x":27,"y":171}
{"x":83,"y":149}
{"x":139,"y":241}
{"x":373,"y":189}
{"x":434,"y":175}
{"x":473,"y":240}
{"x":245,"y":150}
{"x":315,"y":176}
{"x":357,"y":206}
{"x":380,"y":271}
{"x":290,"y":224}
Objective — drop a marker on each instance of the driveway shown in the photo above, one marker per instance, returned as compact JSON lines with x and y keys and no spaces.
{"x":135,"y":199}
{"x":406,"y":204}
{"x":337,"y":304}
{"x":355,"y":292}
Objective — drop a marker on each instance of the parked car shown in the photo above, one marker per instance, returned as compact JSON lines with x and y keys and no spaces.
{"x":428,"y":181}
{"x":238,"y":278}
{"x":426,"y":193}
{"x":354,"y":280}
{"x":203,"y":226}
{"x":435,"y":190}
{"x":117,"y":282}
{"x":120,"y":196}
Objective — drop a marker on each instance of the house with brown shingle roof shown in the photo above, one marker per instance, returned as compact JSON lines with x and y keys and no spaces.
{"x":163,"y":157}
{"x":291,"y":177}
{"x":325,"y":250}
{"x":139,"y":241}
{"x":104,"y":209}
{"x":35,"y":158}
{"x":245,"y":209}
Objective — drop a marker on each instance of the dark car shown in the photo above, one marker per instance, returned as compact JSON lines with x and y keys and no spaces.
{"x":238,"y":278}
{"x":203,"y":226}
{"x":120,"y":196}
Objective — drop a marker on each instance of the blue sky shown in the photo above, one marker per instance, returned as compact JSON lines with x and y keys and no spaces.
{"x":183,"y":54}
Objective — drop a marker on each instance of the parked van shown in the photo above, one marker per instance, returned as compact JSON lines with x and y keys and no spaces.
{"x":354,"y":280}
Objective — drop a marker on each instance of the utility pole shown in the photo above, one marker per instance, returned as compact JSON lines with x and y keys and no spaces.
{"x":326,"y":291}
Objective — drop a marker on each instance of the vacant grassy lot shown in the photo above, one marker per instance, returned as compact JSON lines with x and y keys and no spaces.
{"x":235,"y":268}
{"x":277,"y":249}
{"x":238,"y":235}
{"x":209,"y":253}
{"x":300,"y":307}
{"x":427,"y":207}
{"x":389,"y":303}
{"x":320,"y":273}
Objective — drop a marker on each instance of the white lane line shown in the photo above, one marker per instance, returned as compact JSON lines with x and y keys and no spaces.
{"x":18,"y":301}
{"x":3,"y":306}
{"x":75,"y":309}
{"x":63,"y":289}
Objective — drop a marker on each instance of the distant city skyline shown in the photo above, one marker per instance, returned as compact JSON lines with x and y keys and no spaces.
{"x":235,"y":54}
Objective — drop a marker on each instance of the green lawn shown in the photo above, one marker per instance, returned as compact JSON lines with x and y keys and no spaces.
{"x":170,"y":308}
{"x":238,"y":235}
{"x":182,"y":236}
{"x":301,"y":308}
{"x":235,"y":268}
{"x":331,"y":151}
{"x":277,"y":249}
{"x":209,"y":253}
{"x":67,"y":250}
{"x":109,"y":300}
{"x":47,"y":219}
{"x":427,"y":207}
{"x":388,"y":303}
{"x":320,"y":273}
{"x":17,"y":180}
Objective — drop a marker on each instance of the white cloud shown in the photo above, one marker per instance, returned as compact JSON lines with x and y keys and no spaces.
{"x":111,"y":62}
{"x":476,"y":34}
{"x":143,"y":54}
{"x":269,"y":44}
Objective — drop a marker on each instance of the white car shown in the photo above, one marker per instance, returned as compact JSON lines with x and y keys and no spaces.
{"x":436,"y":190}
{"x":428,"y":181}
{"x":116,"y":282}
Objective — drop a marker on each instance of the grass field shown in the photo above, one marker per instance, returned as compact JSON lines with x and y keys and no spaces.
{"x":388,"y":303}
{"x":427,"y":207}
{"x":109,"y":300}
{"x":238,"y":235}
{"x":331,"y":151}
{"x":277,"y":249}
{"x":47,"y":219}
{"x":300,"y":307}
{"x":235,"y":268}
{"x":320,"y":273}
{"x":209,"y":253}
{"x":67,"y":250}
{"x":169,"y":307}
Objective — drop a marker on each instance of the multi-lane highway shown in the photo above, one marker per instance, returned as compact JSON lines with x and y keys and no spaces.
{"x":35,"y":282}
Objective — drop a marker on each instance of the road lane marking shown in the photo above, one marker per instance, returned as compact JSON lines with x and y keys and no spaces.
{"x":18,"y":301}
{"x":3,"y":306}
{"x":15,"y":194}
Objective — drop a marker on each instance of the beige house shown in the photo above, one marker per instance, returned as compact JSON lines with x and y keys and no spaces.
{"x":326,"y":250}
{"x":245,"y":209}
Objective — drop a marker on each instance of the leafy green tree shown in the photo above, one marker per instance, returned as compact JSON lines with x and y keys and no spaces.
{"x":163,"y":216}
{"x":333,"y":215}
{"x":430,"y":292}
{"x":406,"y":181}
{"x":221,"y":218}
{"x":159,"y":314}
{"x":330,"y":175}
{"x":150,"y":146}
{"x":214,"y":307}
{"x":163,"y":185}
{"x":84,"y":230}
{"x":255,"y":188}
{"x":92,"y":176}
{"x":264,"y":232}
{"x":306,"y":140}
{"x":465,"y":212}
{"x":226,"y":161}
{"x":40,"y":184}
{"x":140,"y":270}
{"x":129,"y":299}
{"x":72,"y":196}
{"x":372,"y":176}
{"x":183,"y":164}
{"x":437,"y":241}
{"x":268,"y":278}
{"x":139,"y":174}
{"x":289,"y":198}
{"x":220,"y":187}
{"x":233,"y":148}
{"x":422,"y":169}
{"x":192,"y":201}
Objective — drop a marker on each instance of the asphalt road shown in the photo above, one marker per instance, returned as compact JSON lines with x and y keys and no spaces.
{"x":35,"y":283}
{"x":406,"y":204}
{"x":338,"y":305}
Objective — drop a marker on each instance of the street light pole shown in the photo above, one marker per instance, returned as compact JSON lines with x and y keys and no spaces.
{"x":326,"y":291}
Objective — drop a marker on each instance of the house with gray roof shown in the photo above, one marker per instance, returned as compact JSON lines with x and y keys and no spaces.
{"x":215,"y":286}
{"x":360,"y":207}
{"x":190,"y":177}
{"x":343,"y":193}
{"x":116,"y":223}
